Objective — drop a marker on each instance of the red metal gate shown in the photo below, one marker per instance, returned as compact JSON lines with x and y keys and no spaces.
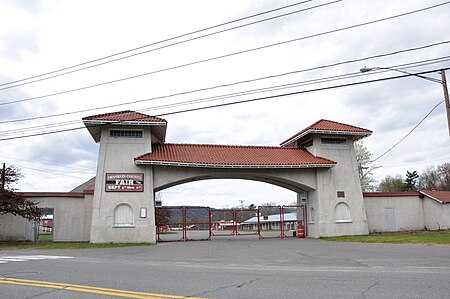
{"x":230,"y":222}
{"x":203,"y":223}
{"x":182,"y":224}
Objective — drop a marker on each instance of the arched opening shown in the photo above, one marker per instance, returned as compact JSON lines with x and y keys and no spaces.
{"x":123,"y":216}
{"x":201,"y":209}
{"x":342,"y":212}
{"x":226,"y":193}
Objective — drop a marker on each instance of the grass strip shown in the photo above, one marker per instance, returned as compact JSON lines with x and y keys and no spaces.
{"x":63,"y":245}
{"x":413,"y":237}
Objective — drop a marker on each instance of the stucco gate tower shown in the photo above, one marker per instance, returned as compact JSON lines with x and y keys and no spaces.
{"x":134,"y":162}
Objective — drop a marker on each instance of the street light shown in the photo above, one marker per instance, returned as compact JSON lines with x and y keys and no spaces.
{"x":443,"y":82}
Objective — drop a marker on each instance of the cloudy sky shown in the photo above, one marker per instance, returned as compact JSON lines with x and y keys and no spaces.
{"x":301,"y":48}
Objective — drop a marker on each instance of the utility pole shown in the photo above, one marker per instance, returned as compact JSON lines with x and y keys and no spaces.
{"x":447,"y":101}
{"x":242,"y":203}
{"x":3,"y":177}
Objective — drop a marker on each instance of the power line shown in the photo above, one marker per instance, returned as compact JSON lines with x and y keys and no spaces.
{"x":242,"y":101}
{"x":52,"y":172}
{"x":236,"y":53}
{"x":235,"y":94}
{"x":162,"y":41}
{"x":409,"y":133}
{"x":80,"y":170}
{"x":228,"y":84}
{"x":418,"y":163}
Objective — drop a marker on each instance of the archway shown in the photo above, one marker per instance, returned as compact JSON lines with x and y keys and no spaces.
{"x":213,"y":208}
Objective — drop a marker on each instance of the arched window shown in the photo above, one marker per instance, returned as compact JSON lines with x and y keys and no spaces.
{"x":342,"y":212}
{"x":123,"y":215}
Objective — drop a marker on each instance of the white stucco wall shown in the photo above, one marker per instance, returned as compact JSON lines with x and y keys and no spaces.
{"x":16,"y":228}
{"x":71,"y":216}
{"x":116,"y":155}
{"x":408,"y":211}
{"x":341,"y":178}
{"x":435,"y":214}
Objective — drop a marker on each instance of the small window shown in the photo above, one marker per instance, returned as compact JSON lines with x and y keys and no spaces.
{"x":340,"y":194}
{"x":334,"y":141}
{"x":125,"y":133}
{"x":342,"y":212}
{"x":123,"y":215}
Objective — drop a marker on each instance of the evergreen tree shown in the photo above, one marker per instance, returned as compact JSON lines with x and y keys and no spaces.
{"x":410,"y":181}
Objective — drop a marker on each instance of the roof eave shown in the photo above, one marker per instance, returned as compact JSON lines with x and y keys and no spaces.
{"x":123,"y":122}
{"x":93,"y":126}
{"x":432,"y":197}
{"x":241,"y":166}
{"x":313,"y":131}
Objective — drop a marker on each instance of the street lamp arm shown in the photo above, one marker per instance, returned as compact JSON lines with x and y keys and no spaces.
{"x":443,"y":82}
{"x":369,"y":69}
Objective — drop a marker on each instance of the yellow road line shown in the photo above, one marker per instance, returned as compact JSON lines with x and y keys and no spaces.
{"x":89,"y":289}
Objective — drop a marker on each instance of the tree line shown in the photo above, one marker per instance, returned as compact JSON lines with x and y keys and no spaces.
{"x":431,"y":178}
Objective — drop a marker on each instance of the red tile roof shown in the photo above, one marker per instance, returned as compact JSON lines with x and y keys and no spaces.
{"x":126,"y":115}
{"x":441,"y":196}
{"x":228,"y":156}
{"x":95,"y":123}
{"x":328,"y":126}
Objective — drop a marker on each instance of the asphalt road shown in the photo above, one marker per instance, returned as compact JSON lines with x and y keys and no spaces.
{"x":238,"y":267}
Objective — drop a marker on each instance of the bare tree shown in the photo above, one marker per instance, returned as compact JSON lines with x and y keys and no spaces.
{"x":435,"y":178}
{"x":428,"y":179}
{"x":444,"y":176}
{"x":391,"y":184}
{"x":365,"y":166}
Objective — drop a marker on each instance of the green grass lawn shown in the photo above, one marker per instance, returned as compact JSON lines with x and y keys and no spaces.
{"x":45,"y":236}
{"x":62,"y":245}
{"x":416,"y":237}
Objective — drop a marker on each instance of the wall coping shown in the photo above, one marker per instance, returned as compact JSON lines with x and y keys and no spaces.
{"x":57,"y":194}
{"x":391,"y":194}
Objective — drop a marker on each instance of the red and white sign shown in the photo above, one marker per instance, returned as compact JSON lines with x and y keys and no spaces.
{"x":133,"y":182}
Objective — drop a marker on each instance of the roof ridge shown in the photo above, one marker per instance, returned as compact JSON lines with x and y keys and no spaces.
{"x":228,"y":145}
{"x":243,"y":155}
{"x":108,"y":114}
{"x":316,"y":127}
{"x":339,"y":123}
{"x":124,"y":112}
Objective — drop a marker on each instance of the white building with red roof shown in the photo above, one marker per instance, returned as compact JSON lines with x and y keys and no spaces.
{"x":318,"y":163}
{"x":135,"y":161}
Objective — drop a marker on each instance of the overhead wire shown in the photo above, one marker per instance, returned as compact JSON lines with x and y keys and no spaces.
{"x":166,"y":46}
{"x":245,"y":101}
{"x":237,"y":53}
{"x":409,"y":133}
{"x":158,"y":42}
{"x":202,"y":100}
{"x":52,"y":172}
{"x":235,"y":94}
{"x":234,"y":83}
{"x":418,"y":163}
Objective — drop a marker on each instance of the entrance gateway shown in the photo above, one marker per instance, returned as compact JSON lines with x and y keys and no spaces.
{"x":134,"y":162}
{"x":203,"y":223}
